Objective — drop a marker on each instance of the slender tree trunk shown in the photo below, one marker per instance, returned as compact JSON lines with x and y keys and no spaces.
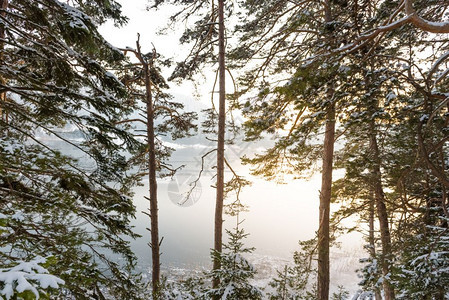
{"x":221,"y":140}
{"x":155,"y":253}
{"x":381,"y":212}
{"x":326,"y":189}
{"x":325,"y":199}
{"x":4,"y":7}
{"x":371,"y":238}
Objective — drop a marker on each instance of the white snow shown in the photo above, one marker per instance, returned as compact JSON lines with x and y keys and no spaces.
{"x":441,"y":76}
{"x":77,"y":17}
{"x":391,"y":96}
{"x":27,"y":276}
{"x":18,"y":216}
{"x":228,"y":291}
{"x":423,"y":118}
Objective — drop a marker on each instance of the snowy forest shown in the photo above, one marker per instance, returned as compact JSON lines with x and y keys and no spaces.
{"x":353,"y":93}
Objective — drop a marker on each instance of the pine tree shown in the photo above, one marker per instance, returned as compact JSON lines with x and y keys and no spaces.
{"x":424,"y":262}
{"x":161,"y":116}
{"x":301,"y":94}
{"x":235,"y":271}
{"x":341,"y":294}
{"x":203,"y":37}
{"x":421,"y":180}
{"x":276,"y":34}
{"x":363,"y":159}
{"x":391,"y":154}
{"x":75,"y":211}
{"x":297,"y":281}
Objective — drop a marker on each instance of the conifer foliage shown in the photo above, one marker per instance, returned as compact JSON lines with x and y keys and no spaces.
{"x":235,"y":270}
{"x":297,"y":281}
{"x":75,"y":212}
{"x":367,"y":76}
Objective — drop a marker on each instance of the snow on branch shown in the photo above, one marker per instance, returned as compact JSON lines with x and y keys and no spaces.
{"x":426,"y":25}
{"x":27,"y":276}
{"x":411,"y":17}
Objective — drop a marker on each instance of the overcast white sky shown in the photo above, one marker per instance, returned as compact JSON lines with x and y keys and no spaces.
{"x":147,"y":23}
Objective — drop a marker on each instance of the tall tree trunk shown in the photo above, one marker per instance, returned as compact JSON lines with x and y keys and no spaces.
{"x":326,"y":189}
{"x":381,"y":212}
{"x":325,"y":199}
{"x":4,"y":7}
{"x":218,"y":237}
{"x":155,"y":253}
{"x":371,"y":237}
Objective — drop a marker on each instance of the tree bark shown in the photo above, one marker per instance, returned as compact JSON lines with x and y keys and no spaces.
{"x":423,"y":24}
{"x":381,"y":212}
{"x":154,"y":225}
{"x":326,"y":189}
{"x":218,"y":234}
{"x":371,"y":237}
{"x":4,"y":6}
{"x":325,"y":199}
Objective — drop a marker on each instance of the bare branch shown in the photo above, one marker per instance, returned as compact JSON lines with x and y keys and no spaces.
{"x":195,"y":182}
{"x":130,"y":121}
{"x":426,"y":25}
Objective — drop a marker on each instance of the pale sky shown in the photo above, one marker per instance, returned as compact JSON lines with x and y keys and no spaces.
{"x":280,"y":215}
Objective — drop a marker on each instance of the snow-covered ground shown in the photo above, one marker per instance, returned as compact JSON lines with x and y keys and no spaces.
{"x":344,"y":263}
